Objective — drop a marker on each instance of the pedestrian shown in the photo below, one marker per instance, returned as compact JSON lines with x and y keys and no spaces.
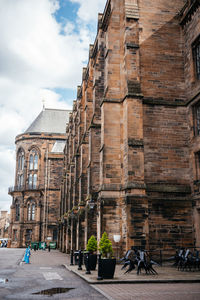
{"x":49,"y":248}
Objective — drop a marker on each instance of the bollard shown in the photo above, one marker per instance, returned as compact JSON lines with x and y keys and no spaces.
{"x":87,"y":265}
{"x":161,"y":257}
{"x":49,"y":248}
{"x":80,"y":260}
{"x":99,"y":268}
{"x":72,"y":254}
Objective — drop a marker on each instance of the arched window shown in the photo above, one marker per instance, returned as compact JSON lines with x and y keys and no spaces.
{"x":20,"y":160}
{"x":17,"y":211}
{"x":31,"y":211}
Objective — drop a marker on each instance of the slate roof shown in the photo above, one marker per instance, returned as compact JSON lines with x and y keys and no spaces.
{"x":50,"y":121}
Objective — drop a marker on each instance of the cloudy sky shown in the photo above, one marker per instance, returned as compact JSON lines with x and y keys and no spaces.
{"x":43,"y":47}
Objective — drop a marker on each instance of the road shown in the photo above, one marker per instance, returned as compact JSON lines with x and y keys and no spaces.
{"x":45,"y":271}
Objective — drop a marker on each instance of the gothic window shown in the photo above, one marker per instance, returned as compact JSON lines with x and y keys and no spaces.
{"x":20,"y":168}
{"x":197,"y":165}
{"x":33,"y":169}
{"x":17,"y":211}
{"x":196,"y":56}
{"x":15,"y":235}
{"x":20,"y":160}
{"x":196,"y":119}
{"x":31,"y":211}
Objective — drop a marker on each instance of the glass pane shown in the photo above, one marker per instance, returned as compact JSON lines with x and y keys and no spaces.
{"x":30,"y":180}
{"x":22,"y":162}
{"x":21,"y":180}
{"x":36,"y":162}
{"x":31,"y":162}
{"x":29,"y":212}
{"x":34,"y":180}
{"x":33,"y":212}
{"x":19,"y":162}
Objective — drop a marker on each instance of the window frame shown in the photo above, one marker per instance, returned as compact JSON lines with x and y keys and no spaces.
{"x":196,"y":57}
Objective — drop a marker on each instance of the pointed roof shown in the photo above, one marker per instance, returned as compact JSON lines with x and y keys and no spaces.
{"x":50,"y":121}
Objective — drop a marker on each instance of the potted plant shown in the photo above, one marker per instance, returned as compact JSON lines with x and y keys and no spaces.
{"x":107,"y":263}
{"x":92,"y":248}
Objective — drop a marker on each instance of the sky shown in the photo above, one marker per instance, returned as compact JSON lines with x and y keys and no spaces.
{"x":44,"y":45}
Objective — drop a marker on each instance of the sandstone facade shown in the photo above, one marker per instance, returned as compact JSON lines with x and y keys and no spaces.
{"x":133,"y":143}
{"x":35,"y":206}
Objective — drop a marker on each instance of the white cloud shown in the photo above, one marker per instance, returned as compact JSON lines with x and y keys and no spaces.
{"x":89,"y":9}
{"x":36,"y":59}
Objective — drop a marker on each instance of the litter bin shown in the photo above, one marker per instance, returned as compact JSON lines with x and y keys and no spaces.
{"x":42,"y":245}
{"x":76,"y":257}
{"x":34,"y":244}
{"x":52,"y":245}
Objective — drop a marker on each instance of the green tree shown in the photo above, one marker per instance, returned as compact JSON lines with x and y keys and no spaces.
{"x":92,"y":244}
{"x":105,"y":246}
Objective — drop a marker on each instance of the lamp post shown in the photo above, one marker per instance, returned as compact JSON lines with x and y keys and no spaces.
{"x":117,"y":238}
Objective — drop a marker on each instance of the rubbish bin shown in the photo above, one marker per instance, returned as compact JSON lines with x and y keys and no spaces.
{"x":34,"y":244}
{"x":53,"y":245}
{"x":76,"y":257}
{"x":42,"y":245}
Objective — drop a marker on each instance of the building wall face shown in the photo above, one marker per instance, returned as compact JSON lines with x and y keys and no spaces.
{"x":135,"y":141}
{"x":39,"y":201}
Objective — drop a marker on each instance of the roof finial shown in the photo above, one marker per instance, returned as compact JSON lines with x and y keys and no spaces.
{"x":43,"y":101}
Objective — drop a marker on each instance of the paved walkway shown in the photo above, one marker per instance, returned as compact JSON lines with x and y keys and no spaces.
{"x":166,"y":274}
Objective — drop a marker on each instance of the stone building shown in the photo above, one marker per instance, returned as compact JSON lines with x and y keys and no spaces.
{"x":39,"y":164}
{"x":132,"y":157}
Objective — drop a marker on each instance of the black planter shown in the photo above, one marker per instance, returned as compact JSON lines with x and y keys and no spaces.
{"x":92,"y":261}
{"x":108,"y":268}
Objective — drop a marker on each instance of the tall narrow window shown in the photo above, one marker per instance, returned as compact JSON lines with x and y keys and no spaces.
{"x":196,"y":119}
{"x":17,"y":211}
{"x":30,"y":180}
{"x":22,"y":162}
{"x":36,"y":162}
{"x":15,"y":235}
{"x":31,"y":162}
{"x":34,"y":181}
{"x":33,"y":212}
{"x":196,"y":56}
{"x":29,"y":212}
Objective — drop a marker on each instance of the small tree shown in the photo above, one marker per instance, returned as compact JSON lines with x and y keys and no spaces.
{"x":105,"y":246}
{"x":92,"y":244}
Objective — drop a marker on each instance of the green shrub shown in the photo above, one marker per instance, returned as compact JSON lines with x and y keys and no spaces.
{"x":105,"y":246}
{"x":92,"y":244}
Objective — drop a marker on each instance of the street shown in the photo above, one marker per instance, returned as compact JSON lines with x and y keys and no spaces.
{"x":46,"y":277}
{"x":45,"y":271}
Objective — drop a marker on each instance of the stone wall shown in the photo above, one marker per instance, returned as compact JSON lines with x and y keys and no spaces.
{"x":129,"y":140}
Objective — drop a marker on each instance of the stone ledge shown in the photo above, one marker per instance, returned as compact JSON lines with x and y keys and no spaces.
{"x":168,"y":188}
